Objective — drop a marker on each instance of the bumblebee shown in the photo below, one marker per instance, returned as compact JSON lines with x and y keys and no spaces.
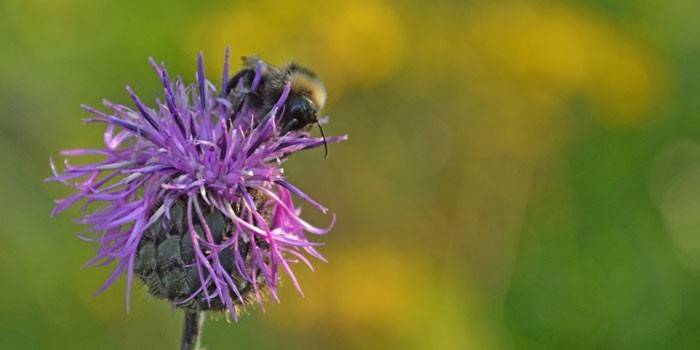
{"x":307,"y":94}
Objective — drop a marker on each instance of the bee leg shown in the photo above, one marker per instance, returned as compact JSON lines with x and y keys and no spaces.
{"x":247,"y":75}
{"x":238,"y":95}
{"x":238,"y":101}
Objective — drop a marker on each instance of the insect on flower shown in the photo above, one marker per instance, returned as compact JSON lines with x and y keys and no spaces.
{"x":190,"y":195}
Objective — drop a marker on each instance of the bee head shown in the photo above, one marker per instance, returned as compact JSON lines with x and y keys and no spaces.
{"x":301,"y":109}
{"x":306,"y":99}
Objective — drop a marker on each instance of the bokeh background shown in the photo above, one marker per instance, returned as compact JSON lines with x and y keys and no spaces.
{"x":519,"y":175}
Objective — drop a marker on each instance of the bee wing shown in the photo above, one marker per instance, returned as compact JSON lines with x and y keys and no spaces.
{"x":252,"y":61}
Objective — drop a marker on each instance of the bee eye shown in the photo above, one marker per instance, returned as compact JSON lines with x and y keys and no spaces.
{"x":300,"y":107}
{"x":295,"y":109}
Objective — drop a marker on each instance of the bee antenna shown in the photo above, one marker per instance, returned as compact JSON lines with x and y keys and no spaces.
{"x":325,"y":145}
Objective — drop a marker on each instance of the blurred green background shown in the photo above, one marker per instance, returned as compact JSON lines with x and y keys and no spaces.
{"x":519,"y":175}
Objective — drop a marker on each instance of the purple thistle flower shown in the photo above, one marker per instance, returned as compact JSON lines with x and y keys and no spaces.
{"x":191,"y":195}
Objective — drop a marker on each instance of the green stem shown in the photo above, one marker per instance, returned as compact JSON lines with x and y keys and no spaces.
{"x":191,"y":330}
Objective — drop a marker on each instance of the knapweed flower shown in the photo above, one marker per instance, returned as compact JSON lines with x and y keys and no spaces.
{"x":190,"y":195}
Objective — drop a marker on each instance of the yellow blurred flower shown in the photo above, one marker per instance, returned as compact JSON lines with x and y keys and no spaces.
{"x":559,"y":49}
{"x":376,"y":296}
{"x":571,"y":51}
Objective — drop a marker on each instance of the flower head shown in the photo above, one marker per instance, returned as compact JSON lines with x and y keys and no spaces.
{"x":191,"y":195}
